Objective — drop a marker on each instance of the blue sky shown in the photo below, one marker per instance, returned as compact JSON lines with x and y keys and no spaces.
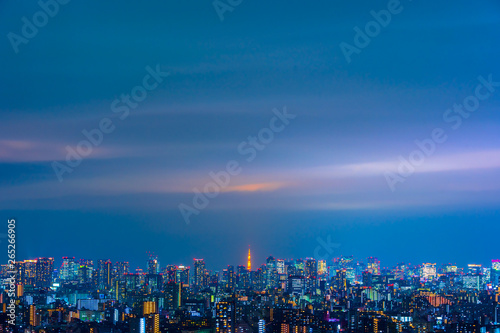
{"x":323,"y":174}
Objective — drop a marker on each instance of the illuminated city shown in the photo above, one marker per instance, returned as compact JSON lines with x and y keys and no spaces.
{"x":340,"y":294}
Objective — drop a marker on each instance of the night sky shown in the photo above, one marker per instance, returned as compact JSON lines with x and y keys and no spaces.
{"x":323,"y":175}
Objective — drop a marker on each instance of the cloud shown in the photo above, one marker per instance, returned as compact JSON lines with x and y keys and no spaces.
{"x":29,"y":151}
{"x":39,"y":151}
{"x":476,"y":160}
{"x":264,"y":187}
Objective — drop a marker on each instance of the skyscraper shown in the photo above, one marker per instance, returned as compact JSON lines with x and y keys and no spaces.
{"x":322,"y":267}
{"x":104,"y":271}
{"x":26,"y":271}
{"x":120,"y":269}
{"x":243,"y":277}
{"x":182,"y":275}
{"x":153,"y":265}
{"x":149,"y":307}
{"x":311,"y":271}
{"x":225,"y":317}
{"x":199,"y":273}
{"x":296,"y":285}
{"x":173,"y":292}
{"x":280,"y":266}
{"x":153,"y":323}
{"x":229,"y":279}
{"x":373,"y":266}
{"x":29,"y":272}
{"x":170,"y":273}
{"x":428,"y":271}
{"x":85,"y":271}
{"x":44,"y":269}
{"x":262,"y":326}
{"x":69,"y":269}
{"x":474,"y":269}
{"x":495,"y":271}
{"x":271,"y":272}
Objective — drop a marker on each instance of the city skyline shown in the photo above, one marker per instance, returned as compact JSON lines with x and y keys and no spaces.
{"x":329,"y":260}
{"x":278,"y":297}
{"x":47,"y":269}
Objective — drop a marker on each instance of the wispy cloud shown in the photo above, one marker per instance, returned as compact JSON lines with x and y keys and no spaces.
{"x":475,"y":160}
{"x":40,"y":151}
{"x":263,"y":187}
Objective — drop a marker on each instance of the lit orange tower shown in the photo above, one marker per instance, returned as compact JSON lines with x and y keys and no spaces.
{"x":249,"y":263}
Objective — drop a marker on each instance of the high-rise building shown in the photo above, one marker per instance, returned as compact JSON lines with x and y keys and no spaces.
{"x":310,"y":268}
{"x":486,"y":275}
{"x":44,"y":269}
{"x":154,"y":282}
{"x":472,"y":281}
{"x":495,"y":264}
{"x":243,"y":277}
{"x":229,"y":278}
{"x":85,"y":274}
{"x":199,"y":273}
{"x":137,"y":325}
{"x":170,"y":273}
{"x":153,"y":323}
{"x":85,"y":271}
{"x":351,"y":275}
{"x":262,"y":326}
{"x":296,"y":285}
{"x":104,"y":274}
{"x":373,"y":266}
{"x":132,"y":281}
{"x":449,"y":269}
{"x":120,"y":287}
{"x":86,"y":262}
{"x":299,"y":265}
{"x":29,"y":272}
{"x":69,"y":269}
{"x":428,"y":271}
{"x":340,"y":280}
{"x":322,"y":267}
{"x":35,"y":317}
{"x":280,"y":266}
{"x":153,"y":265}
{"x":311,"y":274}
{"x":367,"y":279}
{"x":182,"y":275}
{"x":149,"y":307}
{"x":474,"y":269}
{"x":173,"y":293}
{"x":225,"y":317}
{"x":271,"y":272}
{"x":120,"y":269}
{"x":495,"y":272}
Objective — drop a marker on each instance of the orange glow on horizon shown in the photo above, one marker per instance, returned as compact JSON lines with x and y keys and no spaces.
{"x":254,"y":187}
